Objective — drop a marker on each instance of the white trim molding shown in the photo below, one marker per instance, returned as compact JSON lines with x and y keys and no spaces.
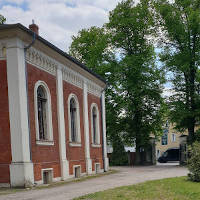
{"x":61,"y":126}
{"x":78,"y":131}
{"x":76,"y":166}
{"x":93,"y":88}
{"x":106,"y":161}
{"x":49,"y":140}
{"x":72,"y":77}
{"x":2,"y":52}
{"x":42,"y":61}
{"x":86,"y":129}
{"x":97,"y":142}
{"x":21,"y":168}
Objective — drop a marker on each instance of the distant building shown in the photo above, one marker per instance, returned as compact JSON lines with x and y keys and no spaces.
{"x":169,"y":139}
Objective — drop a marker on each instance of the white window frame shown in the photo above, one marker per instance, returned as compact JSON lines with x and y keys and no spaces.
{"x":173,"y":137}
{"x":78,"y":132}
{"x":49,"y":140}
{"x":97,"y":143}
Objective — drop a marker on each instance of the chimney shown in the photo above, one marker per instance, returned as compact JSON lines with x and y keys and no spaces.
{"x":34,"y":27}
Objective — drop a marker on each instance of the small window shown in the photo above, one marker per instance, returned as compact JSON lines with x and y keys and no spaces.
{"x":164,"y":139}
{"x":43,"y":114}
{"x":97,"y":168}
{"x":47,"y":176}
{"x":173,"y":137}
{"x":74,"y":119}
{"x":95,"y":124}
{"x":77,"y":171}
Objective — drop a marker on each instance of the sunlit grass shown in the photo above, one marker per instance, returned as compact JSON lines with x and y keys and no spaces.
{"x":165,"y":189}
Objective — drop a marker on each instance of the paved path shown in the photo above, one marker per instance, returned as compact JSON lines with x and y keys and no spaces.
{"x":126,"y":176}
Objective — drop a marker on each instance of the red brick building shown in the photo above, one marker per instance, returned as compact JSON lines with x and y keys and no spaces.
{"x":52,"y":112}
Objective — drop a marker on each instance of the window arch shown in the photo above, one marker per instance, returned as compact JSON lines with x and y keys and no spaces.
{"x":43,"y":114}
{"x":95,"y":124}
{"x":74,"y":119}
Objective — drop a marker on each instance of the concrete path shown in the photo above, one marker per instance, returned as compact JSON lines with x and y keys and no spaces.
{"x":126,"y":176}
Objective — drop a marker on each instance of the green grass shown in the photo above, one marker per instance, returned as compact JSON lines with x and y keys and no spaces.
{"x":165,"y":189}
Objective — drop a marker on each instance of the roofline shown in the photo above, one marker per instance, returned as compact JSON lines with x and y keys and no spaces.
{"x":30,"y":32}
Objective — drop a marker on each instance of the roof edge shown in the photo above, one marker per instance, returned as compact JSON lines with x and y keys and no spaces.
{"x":61,"y":52}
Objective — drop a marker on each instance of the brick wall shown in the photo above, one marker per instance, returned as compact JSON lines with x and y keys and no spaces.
{"x":75,"y":155}
{"x":43,"y":156}
{"x":5,"y":147}
{"x":95,"y":153}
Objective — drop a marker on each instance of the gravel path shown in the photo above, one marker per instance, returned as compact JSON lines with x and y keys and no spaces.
{"x":126,"y":176}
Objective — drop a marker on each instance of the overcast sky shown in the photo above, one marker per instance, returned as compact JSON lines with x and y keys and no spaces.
{"x":58,"y":20}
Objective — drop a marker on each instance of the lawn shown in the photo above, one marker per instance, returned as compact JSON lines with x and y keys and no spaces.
{"x":165,"y":189}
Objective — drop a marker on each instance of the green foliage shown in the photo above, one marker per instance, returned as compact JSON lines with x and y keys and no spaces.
{"x":119,"y":157}
{"x":140,"y":79}
{"x":179,"y":22}
{"x":194,"y":162}
{"x":121,"y":52}
{"x":2,"y":19}
{"x":92,"y":47}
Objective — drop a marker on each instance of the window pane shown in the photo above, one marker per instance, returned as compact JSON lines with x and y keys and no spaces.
{"x":42,"y":121}
{"x":73,"y":119}
{"x":94,"y":119}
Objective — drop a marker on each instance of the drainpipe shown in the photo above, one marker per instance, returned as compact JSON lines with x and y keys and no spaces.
{"x":28,"y":111}
{"x":102,"y":128}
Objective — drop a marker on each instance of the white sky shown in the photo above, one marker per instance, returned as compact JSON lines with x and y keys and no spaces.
{"x":58,"y":20}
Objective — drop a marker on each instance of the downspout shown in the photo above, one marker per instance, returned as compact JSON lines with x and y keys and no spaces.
{"x":26,"y":74}
{"x":102,"y":129}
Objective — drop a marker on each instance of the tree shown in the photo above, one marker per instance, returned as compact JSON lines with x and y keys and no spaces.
{"x":2,"y":19}
{"x":140,"y":79}
{"x":122,"y":54}
{"x":92,"y":47}
{"x":179,"y":23}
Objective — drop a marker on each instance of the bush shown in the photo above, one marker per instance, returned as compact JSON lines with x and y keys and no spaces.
{"x":194,"y":162}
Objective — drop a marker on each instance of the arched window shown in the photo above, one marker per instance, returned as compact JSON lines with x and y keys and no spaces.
{"x":43,"y":114}
{"x":74,"y":119}
{"x":95,"y":124}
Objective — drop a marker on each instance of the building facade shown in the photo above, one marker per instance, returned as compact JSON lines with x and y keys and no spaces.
{"x":52,"y":112}
{"x":169,"y":139}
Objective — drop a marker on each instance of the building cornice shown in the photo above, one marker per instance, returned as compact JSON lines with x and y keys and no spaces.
{"x":42,"y":61}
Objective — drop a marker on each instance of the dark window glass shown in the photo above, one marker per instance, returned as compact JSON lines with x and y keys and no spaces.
{"x":73,"y":119}
{"x":42,"y":118}
{"x":165,"y":139}
{"x":94,"y":120}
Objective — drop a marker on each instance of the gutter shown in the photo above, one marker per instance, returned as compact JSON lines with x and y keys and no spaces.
{"x":26,"y":74}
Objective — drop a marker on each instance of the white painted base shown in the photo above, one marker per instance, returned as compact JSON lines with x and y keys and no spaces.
{"x":64,"y":170}
{"x":106,"y":164}
{"x":89,"y":166}
{"x":57,"y":179}
{"x":4,"y":185}
{"x":100,"y":172}
{"x":21,"y":174}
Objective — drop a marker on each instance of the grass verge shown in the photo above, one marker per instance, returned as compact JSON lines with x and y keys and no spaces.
{"x":165,"y":189}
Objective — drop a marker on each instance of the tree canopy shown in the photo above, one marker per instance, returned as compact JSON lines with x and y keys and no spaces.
{"x":121,"y":52}
{"x":179,"y":23}
{"x":2,"y":19}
